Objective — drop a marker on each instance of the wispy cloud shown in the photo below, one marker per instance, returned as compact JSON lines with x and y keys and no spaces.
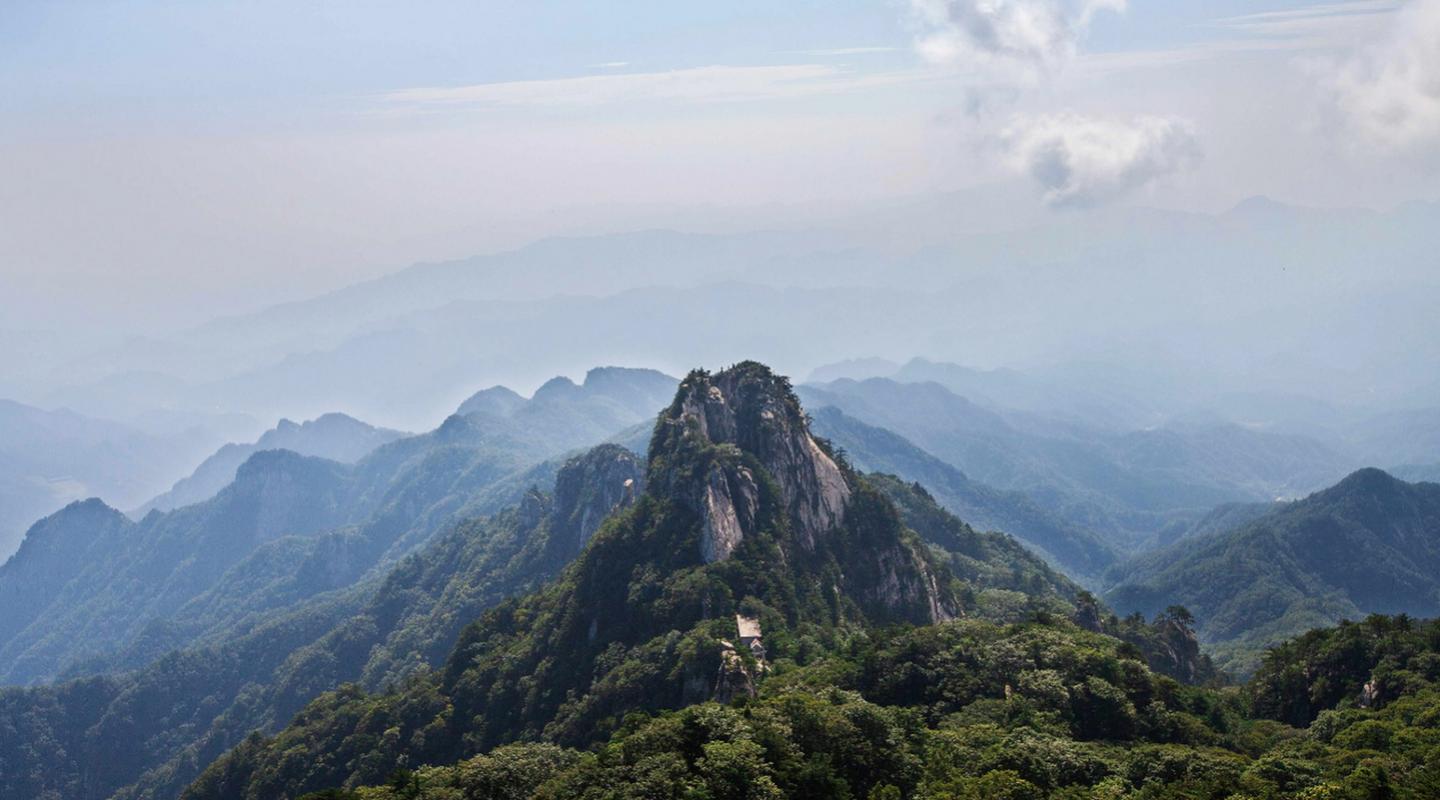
{"x":1085,"y":161}
{"x":694,"y":85}
{"x":1010,"y":40}
{"x":610,"y":65}
{"x":1328,"y":26}
{"x":1323,"y":25}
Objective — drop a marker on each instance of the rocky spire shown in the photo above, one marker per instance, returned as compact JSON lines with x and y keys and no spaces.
{"x":728,"y":423}
{"x":589,"y":488}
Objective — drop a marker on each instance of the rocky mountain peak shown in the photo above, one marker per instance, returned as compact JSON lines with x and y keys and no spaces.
{"x":723,"y":426}
{"x":592,"y":486}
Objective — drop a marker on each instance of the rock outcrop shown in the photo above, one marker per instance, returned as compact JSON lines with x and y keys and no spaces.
{"x":591,"y":487}
{"x":748,"y":411}
{"x":1175,"y":651}
{"x":735,"y":447}
{"x":735,"y":678}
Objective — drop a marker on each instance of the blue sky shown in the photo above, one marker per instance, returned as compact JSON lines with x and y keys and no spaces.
{"x":133,"y":59}
{"x":240,"y":152}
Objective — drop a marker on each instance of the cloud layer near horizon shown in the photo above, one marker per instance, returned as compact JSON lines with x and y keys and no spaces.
{"x":1084,"y":161}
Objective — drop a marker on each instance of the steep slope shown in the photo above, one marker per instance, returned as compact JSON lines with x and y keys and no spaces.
{"x":562,"y":415}
{"x":289,"y":527}
{"x":1125,"y":485}
{"x":152,"y":730}
{"x":55,"y":550}
{"x":744,"y":511}
{"x":336,"y":437}
{"x":1002,"y":581}
{"x":1080,"y":552}
{"x":1370,"y":543}
{"x":152,"y":568}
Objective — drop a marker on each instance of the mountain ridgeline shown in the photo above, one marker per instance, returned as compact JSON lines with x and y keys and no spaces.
{"x":744,"y":512}
{"x":562,"y":415}
{"x":49,"y":459}
{"x":92,"y":595}
{"x":1369,"y":544}
{"x":743,"y":613}
{"x":334,"y":436}
{"x":147,"y":733}
{"x":1121,"y":484}
{"x":880,"y":675}
{"x":1079,"y":550}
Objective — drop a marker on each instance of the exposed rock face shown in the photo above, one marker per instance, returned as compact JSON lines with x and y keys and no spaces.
{"x":534,"y":505}
{"x":734,"y":678}
{"x":1179,"y":652}
{"x":748,"y":410}
{"x":1088,"y":614}
{"x":735,"y":448}
{"x":730,"y":503}
{"x":591,"y":487}
{"x":1369,"y":695}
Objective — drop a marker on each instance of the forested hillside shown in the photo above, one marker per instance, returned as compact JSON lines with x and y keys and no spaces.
{"x":973,"y":710}
{"x":1369,"y":544}
{"x":1077,"y":549}
{"x":152,"y":730}
{"x":905,"y":653}
{"x":745,"y":512}
{"x":92,"y":598}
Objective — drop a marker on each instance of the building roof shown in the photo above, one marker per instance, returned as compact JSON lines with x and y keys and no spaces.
{"x":749,"y":626}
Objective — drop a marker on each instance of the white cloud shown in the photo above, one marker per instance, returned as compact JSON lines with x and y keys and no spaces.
{"x":1388,"y":93}
{"x":1006,"y":40}
{"x":1085,"y":161}
{"x":698,"y":84}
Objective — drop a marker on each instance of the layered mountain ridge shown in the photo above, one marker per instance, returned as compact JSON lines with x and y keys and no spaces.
{"x":333,"y":436}
{"x":147,"y":733}
{"x":744,"y":511}
{"x":1369,"y":544}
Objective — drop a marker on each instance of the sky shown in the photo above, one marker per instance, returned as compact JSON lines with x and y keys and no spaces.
{"x":162,"y":163}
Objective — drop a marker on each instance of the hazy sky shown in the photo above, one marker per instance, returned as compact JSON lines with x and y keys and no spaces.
{"x":211,"y":156}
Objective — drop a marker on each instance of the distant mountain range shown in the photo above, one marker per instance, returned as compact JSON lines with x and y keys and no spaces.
{"x":336,"y":437}
{"x":176,"y":637}
{"x":1039,"y":294}
{"x":91,"y":591}
{"x":51,"y":458}
{"x":1369,"y":544}
{"x":1079,"y":551}
{"x":1123,"y":484}
{"x":302,"y":613}
{"x":147,"y":732}
{"x":562,"y":415}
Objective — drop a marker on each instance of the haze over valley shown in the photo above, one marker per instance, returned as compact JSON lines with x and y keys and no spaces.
{"x":918,"y":400}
